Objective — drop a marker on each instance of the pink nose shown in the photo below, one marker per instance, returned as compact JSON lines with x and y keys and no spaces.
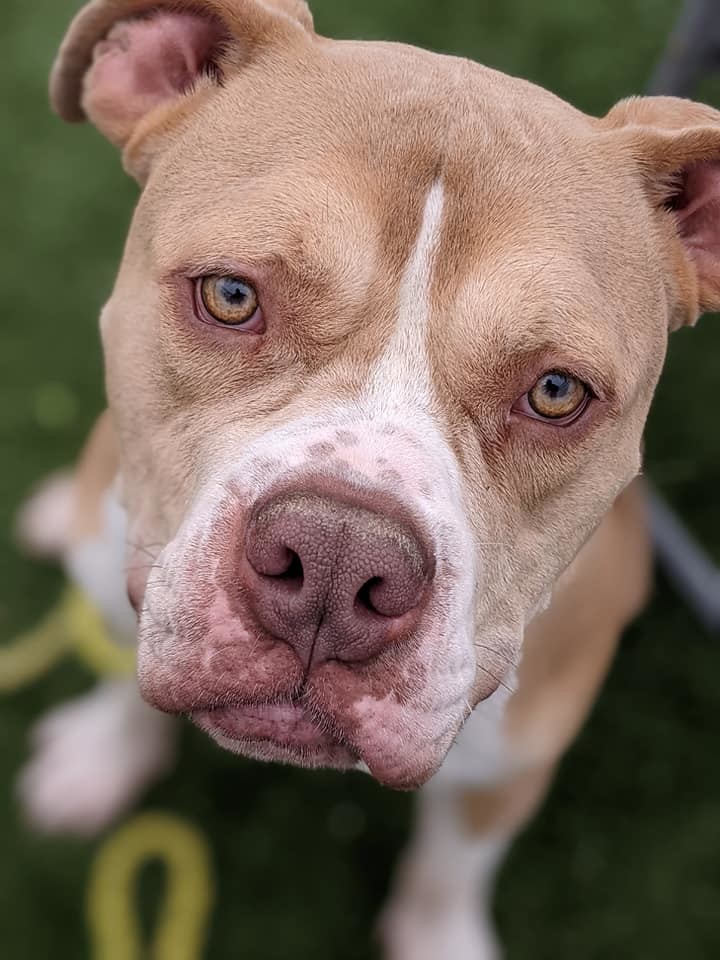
{"x":334,"y":581}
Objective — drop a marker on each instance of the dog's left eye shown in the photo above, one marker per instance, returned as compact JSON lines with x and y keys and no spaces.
{"x":230,"y":301}
{"x":556,"y":396}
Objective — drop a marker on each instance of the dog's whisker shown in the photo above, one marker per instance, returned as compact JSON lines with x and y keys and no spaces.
{"x":143,"y":566}
{"x":507,"y":658}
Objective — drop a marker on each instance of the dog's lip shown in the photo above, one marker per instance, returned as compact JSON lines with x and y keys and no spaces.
{"x":136,"y":584}
{"x":290,"y":718}
{"x":286,"y":725}
{"x":291,"y":732}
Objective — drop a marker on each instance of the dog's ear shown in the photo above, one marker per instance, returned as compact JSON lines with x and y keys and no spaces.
{"x":134,"y":67}
{"x":676,"y":146}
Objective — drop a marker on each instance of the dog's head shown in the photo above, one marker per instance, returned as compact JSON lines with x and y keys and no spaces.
{"x":380,"y":353}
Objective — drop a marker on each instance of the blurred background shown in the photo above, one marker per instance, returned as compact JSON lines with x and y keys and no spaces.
{"x":624,"y":860}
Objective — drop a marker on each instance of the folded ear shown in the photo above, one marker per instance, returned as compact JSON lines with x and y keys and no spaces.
{"x":676,"y":145}
{"x":135,"y":66}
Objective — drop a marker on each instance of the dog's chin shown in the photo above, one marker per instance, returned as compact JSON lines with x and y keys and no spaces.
{"x":276,"y":733}
{"x":287,"y":733}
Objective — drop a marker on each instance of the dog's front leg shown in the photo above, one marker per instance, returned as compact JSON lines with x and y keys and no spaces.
{"x":93,"y":757}
{"x":441,"y":906}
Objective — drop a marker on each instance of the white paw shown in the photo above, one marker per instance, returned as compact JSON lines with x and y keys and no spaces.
{"x":92,"y":758}
{"x":43,"y":523}
{"x":429,"y":931}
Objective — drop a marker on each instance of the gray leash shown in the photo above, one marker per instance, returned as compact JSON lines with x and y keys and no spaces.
{"x":693,"y":51}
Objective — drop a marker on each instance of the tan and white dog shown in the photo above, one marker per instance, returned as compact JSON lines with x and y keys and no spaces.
{"x":379,"y":358}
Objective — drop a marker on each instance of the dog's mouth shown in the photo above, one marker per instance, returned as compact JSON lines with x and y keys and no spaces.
{"x":275,"y":732}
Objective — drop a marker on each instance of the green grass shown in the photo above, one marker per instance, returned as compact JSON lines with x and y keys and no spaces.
{"x":624,"y":861}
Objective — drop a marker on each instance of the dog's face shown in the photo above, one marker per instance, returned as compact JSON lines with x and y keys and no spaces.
{"x":380,"y":354}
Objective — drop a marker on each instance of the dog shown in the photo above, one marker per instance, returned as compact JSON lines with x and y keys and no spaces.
{"x":379,"y":358}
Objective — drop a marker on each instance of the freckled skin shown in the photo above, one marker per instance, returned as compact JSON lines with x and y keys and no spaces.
{"x":391,"y":476}
{"x":359,"y":544}
{"x":324,"y":449}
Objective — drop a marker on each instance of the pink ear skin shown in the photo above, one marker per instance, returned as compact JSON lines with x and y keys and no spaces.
{"x":143,"y":63}
{"x":697,"y":212}
{"x":138,"y":68}
{"x":675,"y":144}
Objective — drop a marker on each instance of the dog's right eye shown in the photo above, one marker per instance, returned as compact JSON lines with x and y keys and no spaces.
{"x":230,"y":301}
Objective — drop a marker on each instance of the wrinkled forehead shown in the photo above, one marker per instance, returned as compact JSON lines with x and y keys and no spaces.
{"x":326,"y":166}
{"x":362,"y":131}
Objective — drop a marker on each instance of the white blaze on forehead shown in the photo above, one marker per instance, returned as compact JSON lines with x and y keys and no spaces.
{"x":402,"y":374}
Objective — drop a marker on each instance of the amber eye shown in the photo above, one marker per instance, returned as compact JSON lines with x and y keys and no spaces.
{"x":558,"y":395}
{"x":231,"y":301}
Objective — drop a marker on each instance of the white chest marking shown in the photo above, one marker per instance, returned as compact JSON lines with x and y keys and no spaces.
{"x":97,"y":565}
{"x":482,"y":754}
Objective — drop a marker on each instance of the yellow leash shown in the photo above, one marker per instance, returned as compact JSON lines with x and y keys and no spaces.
{"x":72,"y":626}
{"x":182,"y":923}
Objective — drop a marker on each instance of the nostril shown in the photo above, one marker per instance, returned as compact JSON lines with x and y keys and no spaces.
{"x":274,"y":561}
{"x":364,"y":597}
{"x":389,"y":597}
{"x":294,"y":575}
{"x":286,"y":569}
